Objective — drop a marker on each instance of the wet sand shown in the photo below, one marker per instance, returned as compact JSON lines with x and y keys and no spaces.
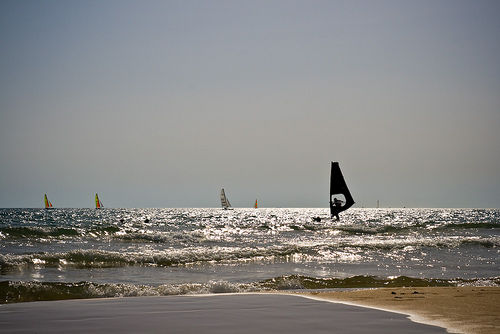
{"x":225,"y":313}
{"x":459,"y":309}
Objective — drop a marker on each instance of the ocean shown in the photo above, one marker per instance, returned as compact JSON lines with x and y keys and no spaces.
{"x":88,"y":253}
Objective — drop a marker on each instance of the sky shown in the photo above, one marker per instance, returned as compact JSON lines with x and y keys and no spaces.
{"x":163,"y":103}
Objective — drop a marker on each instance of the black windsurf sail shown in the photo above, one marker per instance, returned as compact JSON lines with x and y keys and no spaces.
{"x":338,"y":187}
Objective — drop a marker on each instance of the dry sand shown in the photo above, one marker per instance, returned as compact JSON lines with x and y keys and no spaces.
{"x":459,"y":309}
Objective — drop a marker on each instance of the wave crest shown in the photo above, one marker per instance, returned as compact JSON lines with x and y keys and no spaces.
{"x":16,"y":292}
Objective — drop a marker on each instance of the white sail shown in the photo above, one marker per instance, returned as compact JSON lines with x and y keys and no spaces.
{"x":223,"y":200}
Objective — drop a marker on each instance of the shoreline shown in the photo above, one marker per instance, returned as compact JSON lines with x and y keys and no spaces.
{"x":470,"y":310}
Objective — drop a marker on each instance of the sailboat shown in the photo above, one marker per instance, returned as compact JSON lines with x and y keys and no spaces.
{"x":223,"y":200}
{"x":338,"y":187}
{"x":98,"y":203}
{"x":48,"y":205}
{"x":255,"y":206}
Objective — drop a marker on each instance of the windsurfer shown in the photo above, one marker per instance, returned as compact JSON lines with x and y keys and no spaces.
{"x":337,"y":204}
{"x":338,"y":187}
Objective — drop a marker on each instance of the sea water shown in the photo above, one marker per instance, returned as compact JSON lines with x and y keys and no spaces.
{"x":84,"y":253}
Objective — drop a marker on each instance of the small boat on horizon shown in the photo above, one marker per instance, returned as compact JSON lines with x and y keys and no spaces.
{"x":48,"y":205}
{"x":255,"y":206}
{"x":98,"y":203}
{"x":224,"y":201}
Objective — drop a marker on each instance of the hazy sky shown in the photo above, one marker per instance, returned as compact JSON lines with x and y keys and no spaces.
{"x":163,"y":103}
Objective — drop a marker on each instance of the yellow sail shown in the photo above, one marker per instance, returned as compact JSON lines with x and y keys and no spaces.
{"x":98,"y":203}
{"x":47,"y":202}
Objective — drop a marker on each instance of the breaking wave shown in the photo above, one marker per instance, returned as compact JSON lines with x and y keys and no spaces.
{"x":16,"y":292}
{"x":95,"y":258}
{"x":90,"y":258}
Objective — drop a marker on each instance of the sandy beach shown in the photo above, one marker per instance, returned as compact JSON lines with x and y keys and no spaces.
{"x":460,"y":309}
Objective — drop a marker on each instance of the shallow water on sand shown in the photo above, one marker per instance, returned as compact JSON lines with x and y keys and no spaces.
{"x":240,"y":313}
